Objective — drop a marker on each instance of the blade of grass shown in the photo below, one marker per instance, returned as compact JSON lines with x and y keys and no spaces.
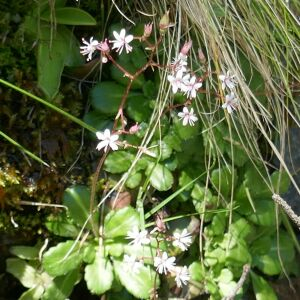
{"x":33,"y":156}
{"x":49,"y":105}
{"x":171,"y":197}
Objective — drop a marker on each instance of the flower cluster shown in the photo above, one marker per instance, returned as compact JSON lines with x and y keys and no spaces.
{"x":180,"y":79}
{"x":120,"y":42}
{"x":162,"y":262}
{"x":231,"y":101}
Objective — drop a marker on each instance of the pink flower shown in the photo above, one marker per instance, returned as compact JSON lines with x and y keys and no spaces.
{"x":103,"y":46}
{"x":190,"y":88}
{"x":187,"y":117}
{"x":231,"y":102}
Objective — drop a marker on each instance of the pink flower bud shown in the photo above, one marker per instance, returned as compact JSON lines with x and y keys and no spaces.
{"x":103,"y":46}
{"x":134,"y":129}
{"x":147,"y":30}
{"x":186,"y":48}
{"x":201,"y":56}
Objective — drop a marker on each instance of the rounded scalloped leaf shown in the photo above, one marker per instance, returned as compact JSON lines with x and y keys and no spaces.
{"x":99,"y":275}
{"x":61,"y":259}
{"x":138,"y":284}
{"x":118,"y":223}
{"x":264,"y":214}
{"x":118,"y":162}
{"x":137,"y":107}
{"x":77,"y":199}
{"x":160,"y":177}
{"x":106,"y":97}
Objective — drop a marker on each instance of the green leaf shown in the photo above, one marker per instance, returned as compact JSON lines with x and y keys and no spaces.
{"x":225,"y":276}
{"x":185,"y":132}
{"x":61,"y":259}
{"x":218,"y":223}
{"x":89,"y":253}
{"x":61,"y":225}
{"x":54,"y":52}
{"x":118,"y":223}
{"x":138,"y":57}
{"x":283,"y":183}
{"x":261,"y":288}
{"x":265,"y":213}
{"x":226,"y":288}
{"x":137,"y":108}
{"x":25,"y":252}
{"x":77,"y":199}
{"x":133,"y":180}
{"x":106,"y":97}
{"x":69,"y":16}
{"x":196,"y":271}
{"x":222,"y":180}
{"x":239,"y":254}
{"x":118,"y":162}
{"x":27,"y":275}
{"x":161,"y":178}
{"x":34,"y":293}
{"x":163,"y":150}
{"x":98,"y":121}
{"x":269,"y":262}
{"x":215,"y":256}
{"x":241,"y":228}
{"x":99,"y":275}
{"x":149,"y":90}
{"x":173,"y":141}
{"x":61,"y":287}
{"x":138,"y":284}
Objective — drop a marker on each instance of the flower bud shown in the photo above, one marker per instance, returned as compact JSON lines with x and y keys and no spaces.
{"x":134,"y":129}
{"x":201,"y":56}
{"x":103,"y":46}
{"x":164,"y":23}
{"x":186,"y":48}
{"x":147,"y":30}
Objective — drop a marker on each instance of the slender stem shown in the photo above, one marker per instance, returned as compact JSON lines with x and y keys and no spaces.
{"x":93,"y":188}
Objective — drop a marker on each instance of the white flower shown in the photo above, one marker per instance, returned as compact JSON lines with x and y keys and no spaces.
{"x":176,"y":81}
{"x":90,"y":48}
{"x":231,"y":102}
{"x":138,"y":237}
{"x":107,"y":140}
{"x":227,"y":81}
{"x":190,"y":88}
{"x":187,"y":117}
{"x":182,"y":240}
{"x":122,"y":40}
{"x":164,"y":263}
{"x":182,"y":276}
{"x":132,"y":265}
